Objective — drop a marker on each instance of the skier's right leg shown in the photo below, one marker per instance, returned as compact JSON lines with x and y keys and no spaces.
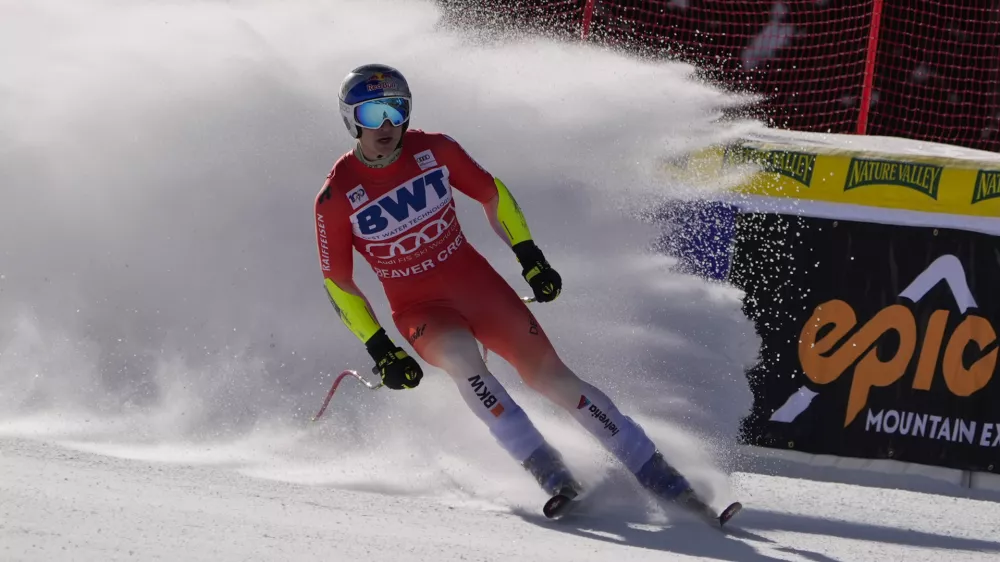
{"x":506,"y":325}
{"x":442,"y":338}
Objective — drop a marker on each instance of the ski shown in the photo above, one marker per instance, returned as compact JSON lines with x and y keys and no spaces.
{"x":729,"y":512}
{"x":567,"y":500}
{"x":694,"y":504}
{"x":560,"y":504}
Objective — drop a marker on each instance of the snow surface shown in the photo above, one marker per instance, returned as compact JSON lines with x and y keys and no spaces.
{"x":63,"y":503}
{"x":164,"y":338}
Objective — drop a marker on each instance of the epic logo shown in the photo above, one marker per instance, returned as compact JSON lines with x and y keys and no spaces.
{"x":404,"y":207}
{"x":967,"y":362}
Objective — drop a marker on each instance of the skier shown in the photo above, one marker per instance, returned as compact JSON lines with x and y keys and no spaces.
{"x":390,"y":198}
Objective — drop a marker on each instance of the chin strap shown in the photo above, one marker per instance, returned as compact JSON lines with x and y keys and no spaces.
{"x":380,"y":163}
{"x":385,"y":161}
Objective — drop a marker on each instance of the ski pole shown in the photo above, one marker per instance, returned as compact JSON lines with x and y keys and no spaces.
{"x":524,"y":300}
{"x":336,"y":383}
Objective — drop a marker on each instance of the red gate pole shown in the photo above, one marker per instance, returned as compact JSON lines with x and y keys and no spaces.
{"x":588,"y":15}
{"x":866,"y":92}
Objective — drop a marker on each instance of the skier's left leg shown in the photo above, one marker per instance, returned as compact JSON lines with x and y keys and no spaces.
{"x":441,"y":336}
{"x":506,"y":326}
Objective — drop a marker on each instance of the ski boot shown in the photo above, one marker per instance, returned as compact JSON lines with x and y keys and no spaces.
{"x":665,"y":482}
{"x":549,"y":470}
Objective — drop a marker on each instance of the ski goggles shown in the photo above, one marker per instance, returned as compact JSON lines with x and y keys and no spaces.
{"x":371,"y":114}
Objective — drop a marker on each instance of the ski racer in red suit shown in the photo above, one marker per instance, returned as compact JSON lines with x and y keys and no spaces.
{"x":392,"y":200}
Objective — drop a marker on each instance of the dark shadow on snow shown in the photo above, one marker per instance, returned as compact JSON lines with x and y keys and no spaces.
{"x":736,"y":542}
{"x":688,"y":536}
{"x":775,"y":521}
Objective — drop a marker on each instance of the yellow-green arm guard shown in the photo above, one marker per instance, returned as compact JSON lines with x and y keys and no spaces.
{"x":508,"y":216}
{"x":353,"y":310}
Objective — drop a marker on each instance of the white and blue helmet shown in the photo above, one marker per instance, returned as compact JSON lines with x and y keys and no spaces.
{"x":372,"y":94}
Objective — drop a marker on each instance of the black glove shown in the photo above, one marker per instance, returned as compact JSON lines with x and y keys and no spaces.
{"x":397,"y":369}
{"x":544,"y":280}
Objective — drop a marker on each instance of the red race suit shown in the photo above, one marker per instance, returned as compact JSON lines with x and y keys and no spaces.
{"x":443,"y":293}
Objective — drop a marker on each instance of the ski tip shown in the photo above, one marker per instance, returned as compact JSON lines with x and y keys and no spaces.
{"x":554,"y":507}
{"x":730,"y":512}
{"x":557,"y":506}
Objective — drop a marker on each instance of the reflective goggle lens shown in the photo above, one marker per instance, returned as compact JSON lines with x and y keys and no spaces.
{"x":371,"y":114}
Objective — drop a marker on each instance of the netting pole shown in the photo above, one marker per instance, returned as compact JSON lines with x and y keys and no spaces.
{"x":866,"y":92}
{"x":588,"y":15}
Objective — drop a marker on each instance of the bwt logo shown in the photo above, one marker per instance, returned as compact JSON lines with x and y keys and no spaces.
{"x":404,"y":207}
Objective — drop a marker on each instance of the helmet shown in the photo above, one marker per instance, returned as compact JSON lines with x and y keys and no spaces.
{"x":372,"y":93}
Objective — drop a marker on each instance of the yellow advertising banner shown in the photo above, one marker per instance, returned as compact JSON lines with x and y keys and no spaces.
{"x":925,"y":184}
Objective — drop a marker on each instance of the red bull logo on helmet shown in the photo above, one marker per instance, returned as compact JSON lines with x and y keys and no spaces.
{"x":379,"y":81}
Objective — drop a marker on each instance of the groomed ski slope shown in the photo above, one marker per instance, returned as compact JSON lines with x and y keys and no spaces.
{"x":59,"y":503}
{"x":164,"y":338}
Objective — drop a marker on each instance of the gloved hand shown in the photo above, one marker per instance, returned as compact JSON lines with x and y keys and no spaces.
{"x":545,"y":282}
{"x":397,"y":369}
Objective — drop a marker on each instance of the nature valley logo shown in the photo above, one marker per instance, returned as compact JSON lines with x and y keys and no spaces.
{"x":987,"y":186}
{"x":796,"y":165}
{"x":925,"y":178}
{"x":938,"y":351}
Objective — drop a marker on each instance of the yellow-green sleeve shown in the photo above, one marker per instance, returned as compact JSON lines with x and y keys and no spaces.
{"x":353,"y":310}
{"x":336,"y":254}
{"x":509,"y":215}
{"x":468,"y":177}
